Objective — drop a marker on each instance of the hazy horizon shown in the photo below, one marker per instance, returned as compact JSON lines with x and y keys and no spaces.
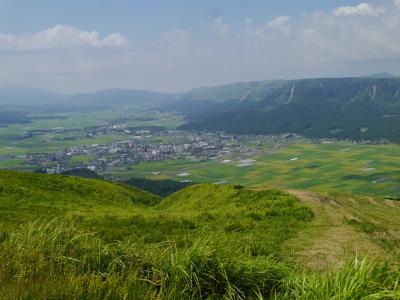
{"x":172,"y":47}
{"x":17,"y":86}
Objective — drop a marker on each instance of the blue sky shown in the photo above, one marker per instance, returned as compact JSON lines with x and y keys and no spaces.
{"x":72,"y":46}
{"x":144,"y":18}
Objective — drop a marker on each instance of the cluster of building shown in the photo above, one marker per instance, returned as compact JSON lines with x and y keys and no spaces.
{"x":148,"y":146}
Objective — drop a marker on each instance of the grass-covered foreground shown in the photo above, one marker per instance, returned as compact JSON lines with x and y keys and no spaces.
{"x":58,"y":261}
{"x":70,"y":238}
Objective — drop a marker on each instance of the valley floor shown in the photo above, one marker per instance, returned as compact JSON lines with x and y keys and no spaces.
{"x":321,"y":167}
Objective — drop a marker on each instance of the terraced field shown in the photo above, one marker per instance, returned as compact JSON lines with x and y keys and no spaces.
{"x":343,"y":167}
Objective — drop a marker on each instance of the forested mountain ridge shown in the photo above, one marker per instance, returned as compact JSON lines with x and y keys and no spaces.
{"x":240,"y":91}
{"x":359,"y":108}
{"x":341,"y":91}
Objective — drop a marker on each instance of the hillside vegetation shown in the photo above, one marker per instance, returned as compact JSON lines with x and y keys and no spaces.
{"x":28,"y":196}
{"x":71,"y":238}
{"x":240,"y":91}
{"x":356,"y":108}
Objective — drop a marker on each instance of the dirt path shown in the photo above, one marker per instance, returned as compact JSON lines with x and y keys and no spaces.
{"x":328,"y":239}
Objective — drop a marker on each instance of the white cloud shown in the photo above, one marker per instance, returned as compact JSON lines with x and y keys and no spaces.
{"x":278,"y":26}
{"x":368,"y":34}
{"x":363,"y":9}
{"x":397,"y":3}
{"x":60,"y":37}
{"x":221,"y":27}
{"x":114,"y":40}
{"x":278,"y":22}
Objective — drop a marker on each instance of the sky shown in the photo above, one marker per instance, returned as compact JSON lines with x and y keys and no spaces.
{"x":173,"y":45}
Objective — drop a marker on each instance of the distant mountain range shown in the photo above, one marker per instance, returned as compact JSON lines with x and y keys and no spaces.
{"x":357,"y":108}
{"x":21,"y":95}
{"x":242,"y":91}
{"x":120,"y":97}
{"x":24,"y":96}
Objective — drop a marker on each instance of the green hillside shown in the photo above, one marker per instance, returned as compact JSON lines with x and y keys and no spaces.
{"x":28,"y":196}
{"x":121,"y":212}
{"x":241,"y":91}
{"x":72,"y":238}
{"x":355,"y":108}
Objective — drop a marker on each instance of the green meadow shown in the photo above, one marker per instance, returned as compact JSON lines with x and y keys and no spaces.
{"x":66,"y":237}
{"x":329,"y":167}
{"x":73,"y":238}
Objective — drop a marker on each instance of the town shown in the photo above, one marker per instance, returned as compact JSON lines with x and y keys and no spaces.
{"x":149,"y":145}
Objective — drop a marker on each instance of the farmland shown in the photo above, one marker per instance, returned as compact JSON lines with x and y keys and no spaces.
{"x":54,"y":131}
{"x":343,"y":167}
{"x":238,"y":238}
{"x":141,"y":142}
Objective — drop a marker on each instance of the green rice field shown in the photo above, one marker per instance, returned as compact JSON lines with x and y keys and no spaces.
{"x":342,"y":167}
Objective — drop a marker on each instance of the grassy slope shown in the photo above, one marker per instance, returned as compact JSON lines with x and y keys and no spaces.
{"x":204,"y":241}
{"x":222,"y":237}
{"x":247,"y":222}
{"x":122,"y":212}
{"x":28,"y":196}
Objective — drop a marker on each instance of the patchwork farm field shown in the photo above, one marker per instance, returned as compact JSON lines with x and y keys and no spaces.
{"x":54,"y":132}
{"x":324,"y":167}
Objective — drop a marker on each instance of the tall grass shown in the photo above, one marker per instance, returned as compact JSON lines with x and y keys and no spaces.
{"x":56,"y":260}
{"x":357,"y":278}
